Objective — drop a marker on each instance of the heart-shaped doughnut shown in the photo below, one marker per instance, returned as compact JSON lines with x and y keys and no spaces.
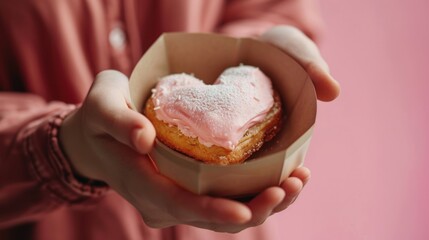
{"x":216,"y":115}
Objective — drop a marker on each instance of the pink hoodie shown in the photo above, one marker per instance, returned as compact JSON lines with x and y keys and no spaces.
{"x":50,"y":52}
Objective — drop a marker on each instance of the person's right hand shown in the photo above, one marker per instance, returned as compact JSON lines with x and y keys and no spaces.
{"x":105,"y":139}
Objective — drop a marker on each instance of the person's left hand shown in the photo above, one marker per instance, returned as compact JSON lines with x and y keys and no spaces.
{"x":295,"y":43}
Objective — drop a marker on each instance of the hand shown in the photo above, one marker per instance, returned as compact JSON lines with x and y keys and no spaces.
{"x":105,"y":139}
{"x":299,"y":46}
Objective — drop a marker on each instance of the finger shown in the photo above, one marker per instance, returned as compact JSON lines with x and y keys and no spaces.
{"x":327,"y":88}
{"x":264,"y":203}
{"x":302,"y":173}
{"x":211,"y":210}
{"x":261,"y":207}
{"x":224,"y":228}
{"x":292,"y":187}
{"x":183,"y":205}
{"x":110,"y":102}
{"x":304,"y":50}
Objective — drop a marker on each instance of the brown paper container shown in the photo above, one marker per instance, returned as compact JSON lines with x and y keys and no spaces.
{"x":206,"y":56}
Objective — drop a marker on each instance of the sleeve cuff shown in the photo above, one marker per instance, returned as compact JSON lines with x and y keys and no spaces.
{"x":52,"y":168}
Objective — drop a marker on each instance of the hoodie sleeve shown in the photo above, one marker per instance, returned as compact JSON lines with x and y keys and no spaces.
{"x":35,"y":176}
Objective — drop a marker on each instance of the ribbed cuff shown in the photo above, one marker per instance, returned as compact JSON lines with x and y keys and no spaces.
{"x":52,"y":168}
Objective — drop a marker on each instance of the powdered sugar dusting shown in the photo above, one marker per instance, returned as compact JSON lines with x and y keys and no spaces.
{"x":217,"y":114}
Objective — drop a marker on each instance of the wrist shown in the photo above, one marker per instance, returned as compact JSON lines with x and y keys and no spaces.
{"x":50,"y":166}
{"x":71,"y":141}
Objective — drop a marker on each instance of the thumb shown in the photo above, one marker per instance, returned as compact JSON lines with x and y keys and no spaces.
{"x":306,"y":53}
{"x":114,"y":112}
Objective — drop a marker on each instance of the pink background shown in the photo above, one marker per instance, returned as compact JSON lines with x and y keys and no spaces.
{"x":369,"y":154}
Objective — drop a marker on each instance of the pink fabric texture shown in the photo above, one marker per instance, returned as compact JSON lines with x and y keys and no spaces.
{"x":51,"y":50}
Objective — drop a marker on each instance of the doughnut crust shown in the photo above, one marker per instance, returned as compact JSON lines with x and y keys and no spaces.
{"x":252,"y":140}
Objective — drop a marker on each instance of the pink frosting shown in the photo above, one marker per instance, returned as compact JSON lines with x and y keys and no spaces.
{"x":217,"y":114}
